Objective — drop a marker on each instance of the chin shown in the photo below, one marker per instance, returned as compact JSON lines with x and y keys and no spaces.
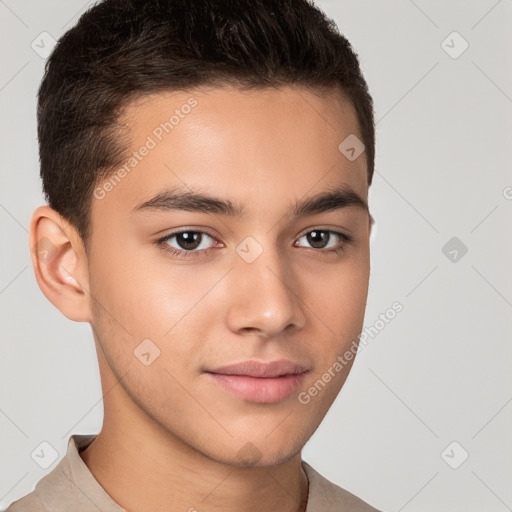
{"x":261,"y":454}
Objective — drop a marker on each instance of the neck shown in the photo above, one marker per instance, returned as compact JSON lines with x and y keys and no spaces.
{"x":144,"y":468}
{"x":140,"y":474}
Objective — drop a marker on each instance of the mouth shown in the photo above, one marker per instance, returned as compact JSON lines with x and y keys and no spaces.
{"x":260,"y":382}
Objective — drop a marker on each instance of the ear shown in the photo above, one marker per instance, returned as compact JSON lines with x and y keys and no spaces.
{"x":371,"y":222}
{"x":60,"y":263}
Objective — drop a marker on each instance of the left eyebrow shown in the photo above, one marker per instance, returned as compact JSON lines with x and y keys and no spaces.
{"x":178,"y":198}
{"x":336,"y":199}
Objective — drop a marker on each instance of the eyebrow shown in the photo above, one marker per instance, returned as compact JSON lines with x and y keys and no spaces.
{"x":178,"y":198}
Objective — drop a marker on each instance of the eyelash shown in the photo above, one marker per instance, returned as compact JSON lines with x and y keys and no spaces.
{"x":345,"y":241}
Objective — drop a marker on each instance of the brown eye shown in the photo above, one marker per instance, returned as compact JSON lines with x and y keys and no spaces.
{"x":187,"y":242}
{"x":326,"y":240}
{"x":318,"y":239}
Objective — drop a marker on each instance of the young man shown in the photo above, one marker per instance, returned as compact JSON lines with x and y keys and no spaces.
{"x":206,"y":166}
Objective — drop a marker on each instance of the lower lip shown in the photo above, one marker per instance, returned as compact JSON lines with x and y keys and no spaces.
{"x":260,"y":390}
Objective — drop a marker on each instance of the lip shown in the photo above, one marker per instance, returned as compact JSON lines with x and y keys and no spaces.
{"x":260,"y":382}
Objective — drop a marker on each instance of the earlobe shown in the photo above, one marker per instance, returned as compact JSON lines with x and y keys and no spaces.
{"x":60,"y":263}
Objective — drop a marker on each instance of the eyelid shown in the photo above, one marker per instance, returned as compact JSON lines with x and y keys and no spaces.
{"x":187,"y":229}
{"x":201,"y":231}
{"x":331,"y":229}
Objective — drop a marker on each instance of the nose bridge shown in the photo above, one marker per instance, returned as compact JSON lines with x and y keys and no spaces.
{"x":264,"y":289}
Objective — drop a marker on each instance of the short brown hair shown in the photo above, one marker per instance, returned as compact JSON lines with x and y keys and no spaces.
{"x":121,"y":49}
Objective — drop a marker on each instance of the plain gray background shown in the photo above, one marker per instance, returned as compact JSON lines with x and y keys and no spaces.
{"x":433,"y":386}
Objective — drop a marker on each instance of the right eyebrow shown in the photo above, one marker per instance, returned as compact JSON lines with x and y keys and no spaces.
{"x":177,"y":198}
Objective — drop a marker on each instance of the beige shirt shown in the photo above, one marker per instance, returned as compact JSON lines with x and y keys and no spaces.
{"x":71,"y":487}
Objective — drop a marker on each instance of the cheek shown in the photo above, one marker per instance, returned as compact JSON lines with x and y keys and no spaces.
{"x":339,"y":296}
{"x":144,"y":294}
{"x":338,"y":303}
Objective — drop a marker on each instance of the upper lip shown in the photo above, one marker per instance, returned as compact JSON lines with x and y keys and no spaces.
{"x":269,"y":369}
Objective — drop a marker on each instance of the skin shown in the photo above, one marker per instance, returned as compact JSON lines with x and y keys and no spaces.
{"x":166,"y":426}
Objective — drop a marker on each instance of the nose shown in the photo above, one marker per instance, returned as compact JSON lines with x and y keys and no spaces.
{"x":264,"y":296}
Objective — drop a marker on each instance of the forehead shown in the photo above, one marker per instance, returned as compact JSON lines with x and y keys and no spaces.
{"x":255,"y":144}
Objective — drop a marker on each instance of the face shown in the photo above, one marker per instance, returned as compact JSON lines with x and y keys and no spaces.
{"x":213,"y":248}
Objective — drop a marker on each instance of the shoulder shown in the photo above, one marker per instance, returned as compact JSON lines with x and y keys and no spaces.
{"x":28,"y":503}
{"x":326,"y":496}
{"x":69,"y":487}
{"x":52,"y":488}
